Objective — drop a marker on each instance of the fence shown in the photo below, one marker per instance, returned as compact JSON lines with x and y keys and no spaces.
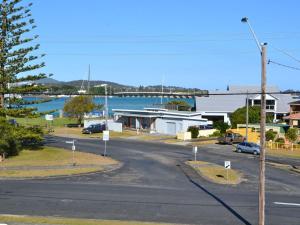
{"x":277,"y":146}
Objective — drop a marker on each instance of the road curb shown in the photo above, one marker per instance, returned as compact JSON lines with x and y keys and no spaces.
{"x":105,"y":170}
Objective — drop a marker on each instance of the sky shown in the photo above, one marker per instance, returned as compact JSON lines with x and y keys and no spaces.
{"x":189,"y":43}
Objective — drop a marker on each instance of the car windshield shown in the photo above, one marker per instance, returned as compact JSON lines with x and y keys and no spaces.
{"x":253,"y":145}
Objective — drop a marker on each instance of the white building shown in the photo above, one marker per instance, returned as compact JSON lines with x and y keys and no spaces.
{"x":220,"y":104}
{"x":159,"y":120}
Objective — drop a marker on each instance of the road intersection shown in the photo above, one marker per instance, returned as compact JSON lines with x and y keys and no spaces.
{"x":154,"y":184}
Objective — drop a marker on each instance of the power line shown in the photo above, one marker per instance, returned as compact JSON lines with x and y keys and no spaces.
{"x":286,"y":53}
{"x":283,"y":65}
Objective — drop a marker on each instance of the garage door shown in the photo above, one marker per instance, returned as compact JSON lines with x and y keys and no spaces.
{"x":171,"y":128}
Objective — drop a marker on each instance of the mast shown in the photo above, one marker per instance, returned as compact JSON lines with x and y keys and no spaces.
{"x":89,"y":79}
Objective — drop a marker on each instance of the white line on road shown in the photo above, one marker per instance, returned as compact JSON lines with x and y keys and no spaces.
{"x":286,"y":203}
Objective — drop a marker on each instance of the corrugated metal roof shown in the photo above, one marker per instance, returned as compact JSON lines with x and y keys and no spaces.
{"x":283,"y":102}
{"x":229,"y":103}
{"x":220,"y":103}
{"x":250,"y":88}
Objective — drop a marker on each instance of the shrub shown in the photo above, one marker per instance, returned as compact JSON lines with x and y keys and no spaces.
{"x":9,"y":145}
{"x":292,"y":134}
{"x":216,"y":134}
{"x":270,"y":135}
{"x":194,"y":131}
{"x":31,"y":137}
{"x":14,"y":139}
{"x":280,"y":140}
{"x":221,"y":126}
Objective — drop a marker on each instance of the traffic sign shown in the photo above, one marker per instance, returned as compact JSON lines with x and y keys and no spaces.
{"x":227,"y":165}
{"x":195,"y":149}
{"x":49,"y":117}
{"x":106,"y":135}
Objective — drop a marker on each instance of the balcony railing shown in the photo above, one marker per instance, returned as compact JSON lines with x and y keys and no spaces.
{"x":294,"y":112}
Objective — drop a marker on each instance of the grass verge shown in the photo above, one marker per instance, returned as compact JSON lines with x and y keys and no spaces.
{"x":57,"y":122}
{"x":284,"y":153}
{"x":76,"y":132}
{"x":216,"y":173}
{"x":51,"y":161}
{"x":67,"y":221}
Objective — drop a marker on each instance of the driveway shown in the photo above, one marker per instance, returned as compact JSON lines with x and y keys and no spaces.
{"x":155,"y":185}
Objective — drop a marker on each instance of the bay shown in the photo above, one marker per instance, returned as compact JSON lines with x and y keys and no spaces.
{"x":136,"y":103}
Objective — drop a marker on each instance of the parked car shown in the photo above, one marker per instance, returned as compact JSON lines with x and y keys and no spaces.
{"x":248,"y":147}
{"x":231,"y":138}
{"x":94,"y":128}
{"x":206,"y":127}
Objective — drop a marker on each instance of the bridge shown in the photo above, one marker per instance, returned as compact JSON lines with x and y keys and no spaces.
{"x":161,"y":94}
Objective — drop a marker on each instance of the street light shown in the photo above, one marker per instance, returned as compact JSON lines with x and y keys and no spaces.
{"x":262,"y":49}
{"x":106,"y":106}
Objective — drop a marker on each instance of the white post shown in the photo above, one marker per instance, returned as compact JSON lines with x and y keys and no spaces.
{"x":104,"y":149}
{"x":73,"y":152}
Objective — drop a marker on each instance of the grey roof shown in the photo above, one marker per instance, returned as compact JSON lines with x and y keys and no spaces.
{"x":283,"y":102}
{"x":220,"y":103}
{"x":229,"y":103}
{"x":295,"y":103}
{"x":250,"y":88}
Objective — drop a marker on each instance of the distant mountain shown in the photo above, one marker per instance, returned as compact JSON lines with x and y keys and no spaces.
{"x":74,"y":85}
{"x":48,"y":81}
{"x":77,"y":83}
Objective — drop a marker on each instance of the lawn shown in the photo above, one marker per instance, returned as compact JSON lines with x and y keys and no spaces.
{"x":51,"y":161}
{"x":216,"y":173}
{"x":284,"y":153}
{"x":68,"y":221}
{"x":76,"y":132}
{"x":57,"y":122}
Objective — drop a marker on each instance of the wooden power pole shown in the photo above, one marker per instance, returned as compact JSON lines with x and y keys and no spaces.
{"x":262,"y":137}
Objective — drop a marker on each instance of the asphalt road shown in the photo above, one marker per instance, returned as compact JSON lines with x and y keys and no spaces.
{"x":154,"y":185}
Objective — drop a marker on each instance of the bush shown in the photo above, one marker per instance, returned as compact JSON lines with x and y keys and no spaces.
{"x":31,"y":137}
{"x":14,"y":139}
{"x":216,"y":134}
{"x":292,"y":134}
{"x":9,"y":145}
{"x":221,"y":126}
{"x":194,"y":131}
{"x":270,"y":135}
{"x":280,"y":140}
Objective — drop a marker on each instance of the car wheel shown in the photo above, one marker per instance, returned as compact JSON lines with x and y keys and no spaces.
{"x":255,"y":153}
{"x":239,"y":150}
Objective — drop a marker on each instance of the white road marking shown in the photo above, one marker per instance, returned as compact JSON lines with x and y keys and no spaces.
{"x":286,"y":203}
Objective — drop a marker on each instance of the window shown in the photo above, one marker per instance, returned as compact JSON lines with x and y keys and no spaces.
{"x":256,"y":102}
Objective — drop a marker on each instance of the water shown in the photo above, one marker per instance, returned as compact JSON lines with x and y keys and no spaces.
{"x":113,"y":103}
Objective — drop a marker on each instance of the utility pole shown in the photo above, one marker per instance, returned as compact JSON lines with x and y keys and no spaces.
{"x":106,"y":106}
{"x":262,"y":136}
{"x":261,"y":195}
{"x":247,"y":115}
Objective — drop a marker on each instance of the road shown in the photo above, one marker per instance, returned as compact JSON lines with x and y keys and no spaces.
{"x":155,"y":185}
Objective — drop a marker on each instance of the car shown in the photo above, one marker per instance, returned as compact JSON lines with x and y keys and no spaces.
{"x":231,"y":138}
{"x":248,"y":147}
{"x":94,"y":128}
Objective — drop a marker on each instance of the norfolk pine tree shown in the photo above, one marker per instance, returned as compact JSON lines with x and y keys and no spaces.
{"x":17,"y":62}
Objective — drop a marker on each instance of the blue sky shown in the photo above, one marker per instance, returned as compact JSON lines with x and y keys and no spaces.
{"x":190,"y":43}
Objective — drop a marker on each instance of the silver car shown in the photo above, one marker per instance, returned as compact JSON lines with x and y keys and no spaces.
{"x":248,"y":147}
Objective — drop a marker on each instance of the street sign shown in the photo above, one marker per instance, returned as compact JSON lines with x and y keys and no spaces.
{"x":105,"y":135}
{"x":195,"y":149}
{"x":49,"y":117}
{"x":227,"y":165}
{"x":73,"y":148}
{"x":69,"y":142}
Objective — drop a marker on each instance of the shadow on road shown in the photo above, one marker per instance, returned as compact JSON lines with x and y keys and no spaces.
{"x":189,"y":174}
